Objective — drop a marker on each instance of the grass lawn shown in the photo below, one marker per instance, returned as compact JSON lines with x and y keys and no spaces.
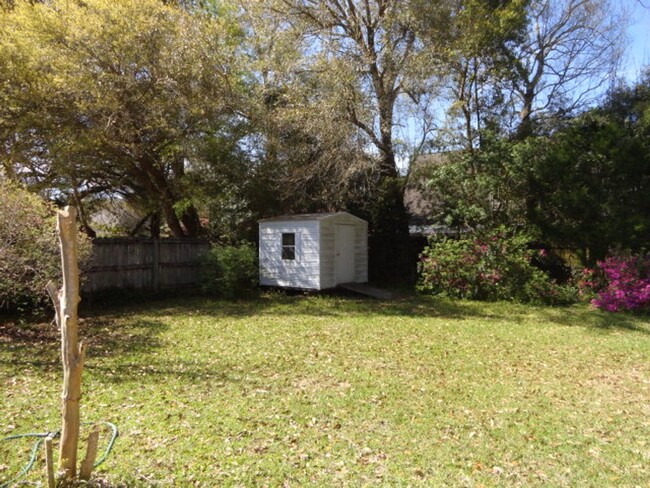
{"x":334,"y":391}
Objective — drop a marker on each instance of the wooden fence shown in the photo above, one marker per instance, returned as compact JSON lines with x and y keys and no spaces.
{"x":143,"y":264}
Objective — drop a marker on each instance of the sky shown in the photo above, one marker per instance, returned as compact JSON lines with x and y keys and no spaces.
{"x":639,"y":35}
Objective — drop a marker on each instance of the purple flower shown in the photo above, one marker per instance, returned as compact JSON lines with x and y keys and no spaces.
{"x":627,"y":283}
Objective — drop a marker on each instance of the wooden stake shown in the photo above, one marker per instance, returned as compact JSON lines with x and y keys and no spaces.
{"x":88,"y":463}
{"x":72,"y":352}
{"x":49,"y":463}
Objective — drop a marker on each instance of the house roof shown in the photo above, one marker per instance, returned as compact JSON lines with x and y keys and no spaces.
{"x":308,"y":216}
{"x":420,"y":200}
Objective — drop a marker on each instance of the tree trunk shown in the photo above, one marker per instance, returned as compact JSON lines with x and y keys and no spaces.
{"x":159,"y":189}
{"x":72,"y":352}
{"x":171,"y":218}
{"x":154,"y":225}
{"x":90,"y":232}
{"x":386,"y":107}
{"x":191,"y":222}
{"x":525,"y":128}
{"x":388,"y":168}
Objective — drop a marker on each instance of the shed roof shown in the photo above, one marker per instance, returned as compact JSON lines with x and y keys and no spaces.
{"x":308,"y":216}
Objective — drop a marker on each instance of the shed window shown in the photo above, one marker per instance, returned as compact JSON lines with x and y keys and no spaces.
{"x":289,"y":245}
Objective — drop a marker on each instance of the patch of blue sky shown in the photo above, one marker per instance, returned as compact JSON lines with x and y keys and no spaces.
{"x":638,"y":54}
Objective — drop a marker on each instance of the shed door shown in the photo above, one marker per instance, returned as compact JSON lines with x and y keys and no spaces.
{"x":344,"y":260}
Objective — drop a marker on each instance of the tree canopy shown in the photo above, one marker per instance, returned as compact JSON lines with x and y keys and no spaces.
{"x":584,"y":187}
{"x":105,"y":96}
{"x":591,"y":180}
{"x":233,"y":111}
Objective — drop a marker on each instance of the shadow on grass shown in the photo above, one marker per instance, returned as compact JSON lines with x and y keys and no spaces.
{"x":29,"y":344}
{"x":596,"y":319}
{"x":106,"y":336}
{"x":37,"y":345}
{"x":346,"y":305}
{"x":162,"y":372}
{"x":338,"y":303}
{"x":135,"y":329}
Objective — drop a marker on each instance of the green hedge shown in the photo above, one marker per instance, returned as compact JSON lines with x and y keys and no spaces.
{"x":230,"y":271}
{"x":29,"y":249}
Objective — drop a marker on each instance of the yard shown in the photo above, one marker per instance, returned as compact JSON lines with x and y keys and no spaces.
{"x":336,"y":391}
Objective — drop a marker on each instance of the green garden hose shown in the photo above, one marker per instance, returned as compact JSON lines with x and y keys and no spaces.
{"x":41,"y":436}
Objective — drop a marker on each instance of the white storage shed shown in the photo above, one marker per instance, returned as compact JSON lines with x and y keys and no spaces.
{"x":313,"y":251}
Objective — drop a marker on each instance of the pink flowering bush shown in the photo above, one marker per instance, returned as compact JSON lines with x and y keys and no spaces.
{"x":491,"y":266}
{"x":620,"y":282}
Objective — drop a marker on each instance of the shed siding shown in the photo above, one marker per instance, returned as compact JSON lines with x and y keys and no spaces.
{"x":328,"y":249}
{"x":304,"y":271}
{"x":327,"y":253}
{"x":361,"y":253}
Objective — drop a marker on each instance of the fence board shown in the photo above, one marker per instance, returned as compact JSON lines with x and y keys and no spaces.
{"x":143,"y":264}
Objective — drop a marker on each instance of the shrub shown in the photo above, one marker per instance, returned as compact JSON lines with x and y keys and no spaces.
{"x":489,"y":266}
{"x":29,"y":248}
{"x":230,"y":271}
{"x":620,"y":282}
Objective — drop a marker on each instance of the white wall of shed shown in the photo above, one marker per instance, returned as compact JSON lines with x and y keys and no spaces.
{"x":304,"y":271}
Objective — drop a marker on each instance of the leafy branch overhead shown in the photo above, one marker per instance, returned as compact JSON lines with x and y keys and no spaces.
{"x":106,"y":97}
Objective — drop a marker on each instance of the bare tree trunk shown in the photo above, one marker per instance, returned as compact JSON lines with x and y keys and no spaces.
{"x":191,"y":222}
{"x":525,"y":128}
{"x":154,"y":225}
{"x":49,"y":463}
{"x":87,"y":465}
{"x":171,"y":218}
{"x":90,"y":232}
{"x":72,"y":352}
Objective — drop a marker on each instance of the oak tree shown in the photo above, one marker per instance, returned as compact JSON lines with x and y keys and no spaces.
{"x":109,"y":96}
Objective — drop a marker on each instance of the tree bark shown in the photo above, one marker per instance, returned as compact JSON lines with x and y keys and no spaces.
{"x":49,"y":463}
{"x":525,"y":128}
{"x":88,"y":463}
{"x":90,"y":232}
{"x":191,"y":221}
{"x":154,"y":225}
{"x":72,"y":352}
{"x":171,"y":218}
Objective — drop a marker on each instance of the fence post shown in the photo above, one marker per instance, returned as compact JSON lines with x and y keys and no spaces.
{"x":156,"y":265}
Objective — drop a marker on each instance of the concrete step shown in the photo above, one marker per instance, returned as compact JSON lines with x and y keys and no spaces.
{"x":365,"y":289}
